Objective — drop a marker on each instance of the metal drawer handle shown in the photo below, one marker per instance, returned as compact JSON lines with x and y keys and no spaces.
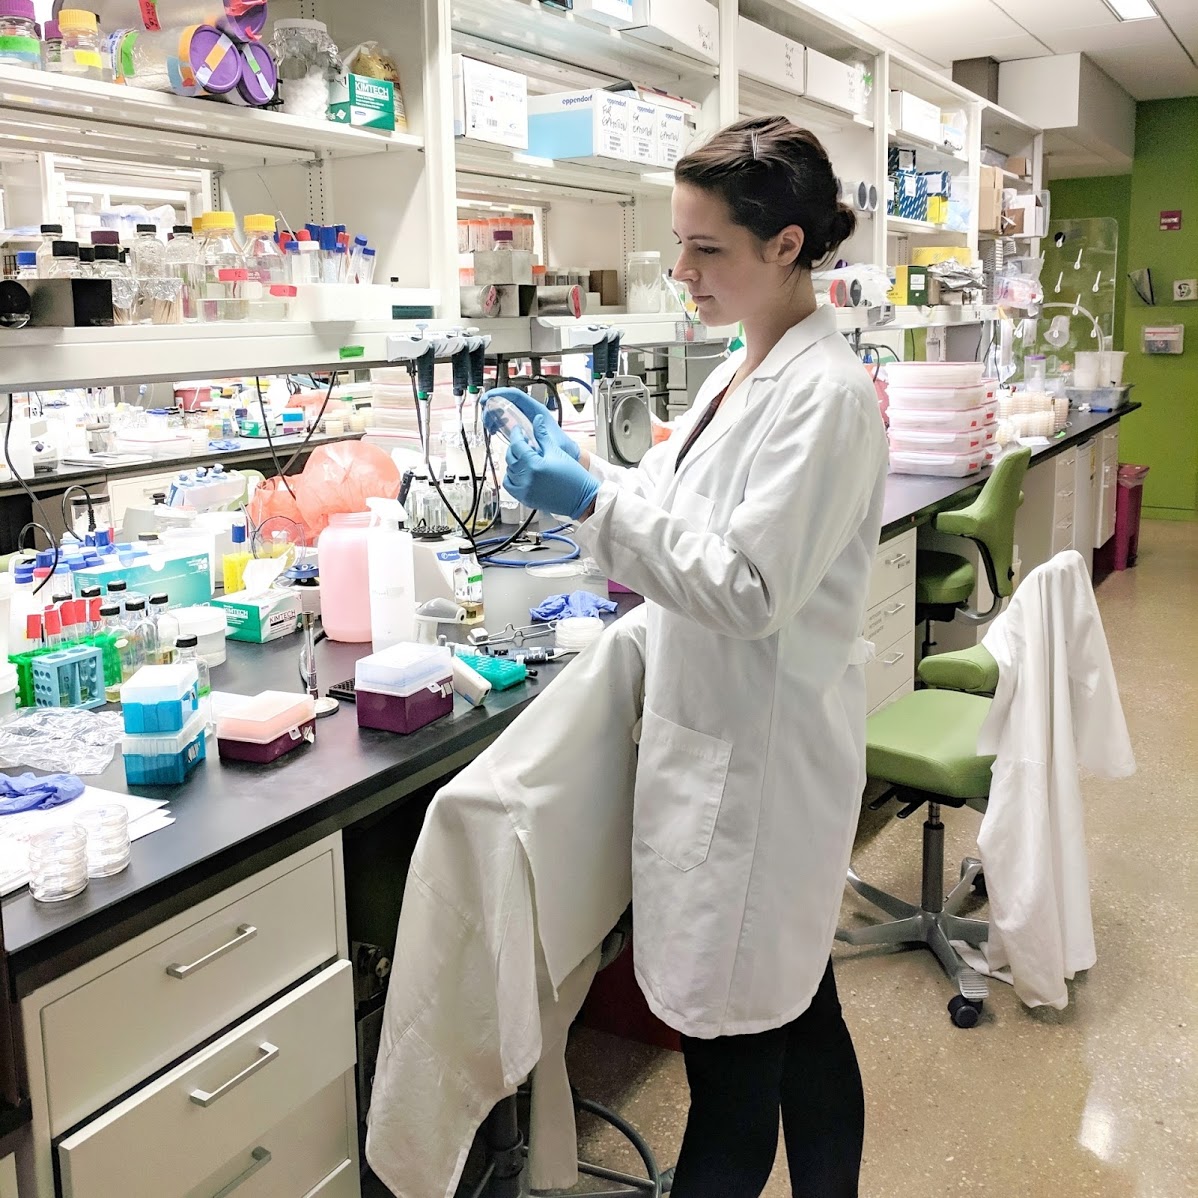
{"x":890,"y":661}
{"x":897,"y":560}
{"x":245,"y":931}
{"x":206,"y":1098}
{"x":894,"y":611}
{"x":261,"y":1158}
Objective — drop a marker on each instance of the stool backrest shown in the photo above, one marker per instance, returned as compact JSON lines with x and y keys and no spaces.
{"x":989,"y":521}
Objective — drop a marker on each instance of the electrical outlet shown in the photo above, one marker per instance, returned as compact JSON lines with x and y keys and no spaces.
{"x":1185,"y":289}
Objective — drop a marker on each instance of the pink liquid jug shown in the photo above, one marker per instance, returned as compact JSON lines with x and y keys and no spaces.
{"x":345,"y":578}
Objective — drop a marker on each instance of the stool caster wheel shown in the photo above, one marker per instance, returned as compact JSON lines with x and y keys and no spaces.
{"x":979,"y":881}
{"x":667,"y":1179}
{"x":964,"y":1012}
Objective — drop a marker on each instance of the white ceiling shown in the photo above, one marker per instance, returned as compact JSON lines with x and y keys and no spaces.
{"x":1152,"y":60}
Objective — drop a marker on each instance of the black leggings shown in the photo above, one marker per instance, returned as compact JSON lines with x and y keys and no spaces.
{"x":808,"y":1070}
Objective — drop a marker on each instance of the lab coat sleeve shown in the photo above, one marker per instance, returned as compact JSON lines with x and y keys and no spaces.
{"x":808,"y":490}
{"x":641,"y":479}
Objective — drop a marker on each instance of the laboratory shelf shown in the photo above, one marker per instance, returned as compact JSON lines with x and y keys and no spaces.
{"x":529,"y":27}
{"x":558,"y":334}
{"x":41,"y":112}
{"x":906,"y":317}
{"x":485,"y":169}
{"x":913,"y":141}
{"x":36,"y":359}
{"x":764,"y":99}
{"x":903,"y":224}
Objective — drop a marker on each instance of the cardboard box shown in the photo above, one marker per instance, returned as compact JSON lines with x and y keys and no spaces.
{"x":1025,"y":214}
{"x":366,"y":103}
{"x":771,"y":58}
{"x":940,"y":183}
{"x":833,"y":82}
{"x":615,"y":14}
{"x":911,"y":196}
{"x":929,"y":255}
{"x":910,"y":287}
{"x":691,"y":27}
{"x":607,"y":284}
{"x":910,"y":114}
{"x":938,"y":210}
{"x":260,"y":618}
{"x":990,"y":178}
{"x":489,"y":103}
{"x":642,"y":133}
{"x":186,"y":577}
{"x":989,"y":210}
{"x":591,"y":126}
{"x":1019,"y":166}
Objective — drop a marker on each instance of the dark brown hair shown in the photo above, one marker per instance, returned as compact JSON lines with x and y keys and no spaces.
{"x":772,"y":174}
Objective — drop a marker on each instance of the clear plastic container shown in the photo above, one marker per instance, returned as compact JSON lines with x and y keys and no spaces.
{"x":943,"y":421}
{"x":45,"y":251}
{"x":502,"y":416}
{"x":266,"y":726}
{"x":223,"y":271}
{"x":344,"y":577}
{"x":939,"y":441}
{"x":107,"y":831}
{"x":64,"y":261}
{"x":19,"y":42}
{"x":182,"y":263}
{"x":160,"y":698}
{"x":952,"y":398}
{"x":58,"y":864}
{"x":644,"y":281}
{"x":266,"y":269}
{"x":52,"y":47}
{"x":943,"y":465}
{"x":81,"y":55}
{"x":164,"y":760}
{"x":209,"y":625}
{"x":935,"y":374}
{"x":307,"y":59}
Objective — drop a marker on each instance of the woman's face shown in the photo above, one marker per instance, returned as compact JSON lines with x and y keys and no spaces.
{"x":730,"y":274}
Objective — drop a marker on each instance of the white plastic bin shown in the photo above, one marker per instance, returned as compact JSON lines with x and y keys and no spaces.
{"x":937,"y":399}
{"x":939,"y":441}
{"x":943,"y":465}
{"x":935,"y":374}
{"x":943,"y":420}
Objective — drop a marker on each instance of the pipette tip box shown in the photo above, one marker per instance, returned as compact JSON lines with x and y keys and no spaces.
{"x":164,"y":760}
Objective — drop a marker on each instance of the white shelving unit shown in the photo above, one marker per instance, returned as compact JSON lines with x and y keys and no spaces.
{"x":402,"y":189}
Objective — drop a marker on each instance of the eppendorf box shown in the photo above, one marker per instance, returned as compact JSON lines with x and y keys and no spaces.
{"x":587,"y":126}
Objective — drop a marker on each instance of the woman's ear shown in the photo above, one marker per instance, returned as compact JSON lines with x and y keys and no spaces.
{"x":787,"y":245}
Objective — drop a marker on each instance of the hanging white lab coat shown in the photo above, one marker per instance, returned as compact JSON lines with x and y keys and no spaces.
{"x":1057,"y":708}
{"x":754,"y":559}
{"x":522,"y":867}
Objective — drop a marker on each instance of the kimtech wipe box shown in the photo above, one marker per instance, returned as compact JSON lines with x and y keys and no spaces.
{"x":260,"y":618}
{"x":366,"y":103}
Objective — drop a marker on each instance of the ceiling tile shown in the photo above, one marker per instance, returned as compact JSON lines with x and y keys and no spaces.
{"x":1140,"y":37}
{"x":1161,"y":76}
{"x":1045,"y":16}
{"x":1183,"y":17}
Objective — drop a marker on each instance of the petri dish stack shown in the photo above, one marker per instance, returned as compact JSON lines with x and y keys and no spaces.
{"x":58,"y":864}
{"x":107,"y":830}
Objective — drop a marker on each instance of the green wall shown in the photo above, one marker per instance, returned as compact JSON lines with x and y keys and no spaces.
{"x":1103,"y":195}
{"x":1164,"y":433}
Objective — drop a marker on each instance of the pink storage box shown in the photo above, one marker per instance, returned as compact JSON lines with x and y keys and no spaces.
{"x":944,"y":465}
{"x":942,"y":441}
{"x":265,"y":727}
{"x":404,"y":687}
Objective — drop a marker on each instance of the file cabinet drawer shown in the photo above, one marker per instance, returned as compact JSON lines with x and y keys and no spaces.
{"x":894,"y":568}
{"x":297,"y":1157}
{"x":887,"y":621}
{"x":889,"y":670}
{"x":169,"y":1136}
{"x":106,"y":1036}
{"x":341,"y":1183}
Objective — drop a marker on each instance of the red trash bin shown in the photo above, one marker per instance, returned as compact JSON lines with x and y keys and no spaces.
{"x":1128,"y":500}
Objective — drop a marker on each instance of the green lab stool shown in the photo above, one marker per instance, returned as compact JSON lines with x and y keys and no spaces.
{"x":924,"y":746}
{"x":945,"y":581}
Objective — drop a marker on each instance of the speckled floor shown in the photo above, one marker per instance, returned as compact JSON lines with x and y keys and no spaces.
{"x":1097,"y":1101}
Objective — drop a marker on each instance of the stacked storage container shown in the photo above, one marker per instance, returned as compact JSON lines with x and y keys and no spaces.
{"x":943,"y":418}
{"x":266,"y":726}
{"x":164,"y":727}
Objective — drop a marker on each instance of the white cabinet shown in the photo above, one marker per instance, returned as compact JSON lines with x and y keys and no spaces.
{"x":206,"y":1037}
{"x":1085,"y":485}
{"x":890,"y":623}
{"x":1108,"y":481}
{"x":8,"y":1177}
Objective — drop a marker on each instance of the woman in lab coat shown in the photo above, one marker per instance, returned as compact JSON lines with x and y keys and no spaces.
{"x":751,"y":534}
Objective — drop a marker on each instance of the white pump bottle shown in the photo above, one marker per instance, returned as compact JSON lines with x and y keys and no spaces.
{"x":391,"y":576}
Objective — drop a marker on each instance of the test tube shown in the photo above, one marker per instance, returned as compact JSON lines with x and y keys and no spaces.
{"x":366,"y":269}
{"x":355,"y":259}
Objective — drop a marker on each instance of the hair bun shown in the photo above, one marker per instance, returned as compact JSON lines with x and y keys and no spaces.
{"x":844,"y":224}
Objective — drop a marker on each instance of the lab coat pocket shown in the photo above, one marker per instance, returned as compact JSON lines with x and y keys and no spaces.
{"x":692,"y":507}
{"x":680,"y":780}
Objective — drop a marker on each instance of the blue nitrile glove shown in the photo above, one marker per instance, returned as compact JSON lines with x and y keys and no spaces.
{"x":577,"y":603}
{"x":30,"y":792}
{"x":532,"y":408}
{"x":545,"y":477}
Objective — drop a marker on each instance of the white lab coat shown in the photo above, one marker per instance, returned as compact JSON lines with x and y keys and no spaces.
{"x":522,"y":868}
{"x":754,"y":559}
{"x":1056,"y":708}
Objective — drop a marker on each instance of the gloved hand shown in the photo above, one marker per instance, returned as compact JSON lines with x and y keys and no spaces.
{"x":532,"y":408}
{"x":546,"y":477}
